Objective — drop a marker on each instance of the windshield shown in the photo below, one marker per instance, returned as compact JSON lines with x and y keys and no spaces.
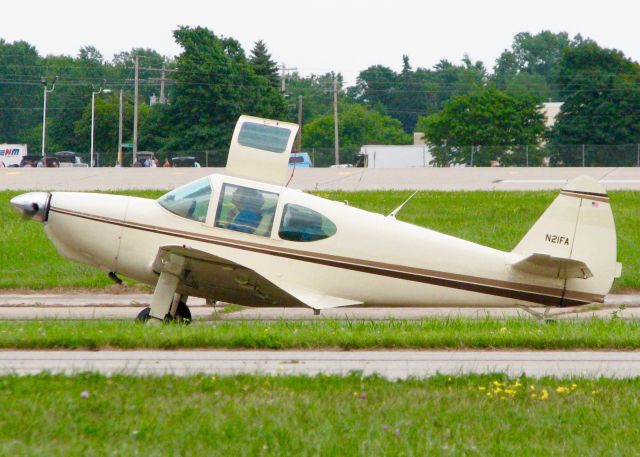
{"x":190,"y":201}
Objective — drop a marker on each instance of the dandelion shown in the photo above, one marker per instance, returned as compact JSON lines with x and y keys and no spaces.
{"x":544,"y":394}
{"x":574,"y":386}
{"x":213,"y":378}
{"x":84,"y":394}
{"x":497,"y":383}
{"x":532,"y":387}
{"x":503,"y":330}
{"x":510,"y":392}
{"x":517,"y":384}
{"x":562,"y":390}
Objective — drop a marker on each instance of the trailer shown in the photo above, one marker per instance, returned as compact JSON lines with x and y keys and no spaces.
{"x":385,"y":156}
{"x":11,"y":154}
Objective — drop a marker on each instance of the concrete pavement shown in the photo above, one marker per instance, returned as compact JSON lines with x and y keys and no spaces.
{"x":543,"y":178}
{"x":126,"y":306}
{"x":389,"y":364}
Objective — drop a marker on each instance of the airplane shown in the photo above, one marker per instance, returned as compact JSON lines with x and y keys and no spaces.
{"x":245,"y":237}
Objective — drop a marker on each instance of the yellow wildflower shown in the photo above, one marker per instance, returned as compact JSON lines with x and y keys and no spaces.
{"x":562,"y":390}
{"x":532,"y":387}
{"x":503,"y":330}
{"x":482,"y":388}
{"x":544,"y":394}
{"x":533,"y":395}
{"x":574,"y":386}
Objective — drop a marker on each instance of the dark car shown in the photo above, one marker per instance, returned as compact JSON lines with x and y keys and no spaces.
{"x":32,"y":161}
{"x":184,"y":162}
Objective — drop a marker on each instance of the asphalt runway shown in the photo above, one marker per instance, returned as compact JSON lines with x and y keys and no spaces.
{"x":389,"y":364}
{"x":87,"y":306}
{"x":430,"y":178}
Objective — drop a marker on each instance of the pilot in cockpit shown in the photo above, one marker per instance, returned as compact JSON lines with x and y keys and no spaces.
{"x":246,"y":214}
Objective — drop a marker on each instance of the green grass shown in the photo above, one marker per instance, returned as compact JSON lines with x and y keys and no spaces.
{"x":496,"y":219}
{"x":92,"y":415}
{"x":459,"y":333}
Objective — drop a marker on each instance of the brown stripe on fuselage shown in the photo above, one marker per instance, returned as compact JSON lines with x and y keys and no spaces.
{"x":588,"y":195}
{"x":537,"y":294}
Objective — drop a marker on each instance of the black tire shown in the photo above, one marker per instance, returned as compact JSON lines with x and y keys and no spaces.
{"x":143,"y":315}
{"x":183,"y":313}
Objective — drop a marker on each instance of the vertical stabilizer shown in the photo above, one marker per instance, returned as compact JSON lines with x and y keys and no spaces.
{"x":577,"y":229}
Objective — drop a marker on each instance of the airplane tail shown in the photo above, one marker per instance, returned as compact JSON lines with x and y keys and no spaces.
{"x":574,"y":241}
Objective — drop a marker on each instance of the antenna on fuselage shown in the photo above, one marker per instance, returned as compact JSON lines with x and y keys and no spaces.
{"x":393,"y":213}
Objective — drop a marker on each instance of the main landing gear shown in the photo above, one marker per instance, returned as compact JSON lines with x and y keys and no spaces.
{"x":167,"y":305}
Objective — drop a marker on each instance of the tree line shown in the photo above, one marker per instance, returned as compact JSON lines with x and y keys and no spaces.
{"x":467,"y":112}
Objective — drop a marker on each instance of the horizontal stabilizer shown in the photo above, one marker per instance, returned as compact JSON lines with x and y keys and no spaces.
{"x":553,"y":267}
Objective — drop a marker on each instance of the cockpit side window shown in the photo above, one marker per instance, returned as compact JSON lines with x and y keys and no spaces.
{"x":304,"y":224}
{"x":190,"y":201}
{"x":246,"y":210}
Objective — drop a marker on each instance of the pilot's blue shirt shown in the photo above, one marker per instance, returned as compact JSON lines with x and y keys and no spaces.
{"x":246,"y":221}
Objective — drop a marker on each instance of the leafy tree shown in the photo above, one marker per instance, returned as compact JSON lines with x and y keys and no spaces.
{"x":215,"y":84}
{"x":357,"y":126}
{"x":263,"y":64}
{"x":602,"y":102}
{"x":317,"y":92}
{"x":20,"y":90}
{"x":535,"y":55}
{"x":496,"y":124}
{"x":407,"y":94}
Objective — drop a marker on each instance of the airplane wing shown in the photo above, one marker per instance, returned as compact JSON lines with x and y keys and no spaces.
{"x":553,"y":267}
{"x":211,"y":276}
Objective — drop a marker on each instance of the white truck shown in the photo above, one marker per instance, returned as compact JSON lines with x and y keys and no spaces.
{"x":11,"y":154}
{"x":386,"y":156}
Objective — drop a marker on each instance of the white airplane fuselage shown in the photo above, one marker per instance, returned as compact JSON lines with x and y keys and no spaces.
{"x":371,"y":259}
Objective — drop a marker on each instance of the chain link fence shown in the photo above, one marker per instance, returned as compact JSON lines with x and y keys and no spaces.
{"x":578,"y":155}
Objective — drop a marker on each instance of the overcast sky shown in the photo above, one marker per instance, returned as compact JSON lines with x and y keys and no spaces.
{"x":323,"y":35}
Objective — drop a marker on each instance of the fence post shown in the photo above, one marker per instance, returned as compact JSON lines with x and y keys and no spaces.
{"x":527,"y":156}
{"x":206,"y":159}
{"x":472,"y":156}
{"x":583,"y":155}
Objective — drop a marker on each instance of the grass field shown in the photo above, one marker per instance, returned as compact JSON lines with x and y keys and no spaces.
{"x":322,"y":416}
{"x":496,"y":219}
{"x":458,"y":333}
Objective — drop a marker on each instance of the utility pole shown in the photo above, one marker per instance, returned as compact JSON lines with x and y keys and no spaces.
{"x":135,"y":112}
{"x":335,"y":120}
{"x":283,"y":76}
{"x":44,"y":118}
{"x":162,"y":99}
{"x":299,"y":138}
{"x":120,"y":132}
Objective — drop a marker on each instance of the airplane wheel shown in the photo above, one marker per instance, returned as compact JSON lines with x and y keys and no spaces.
{"x":183,"y":313}
{"x":143,"y":315}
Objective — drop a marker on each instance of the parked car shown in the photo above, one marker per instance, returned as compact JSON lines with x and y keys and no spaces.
{"x":184,"y":162}
{"x":145,"y":158}
{"x":32,"y":161}
{"x":300,"y":160}
{"x":69,"y":159}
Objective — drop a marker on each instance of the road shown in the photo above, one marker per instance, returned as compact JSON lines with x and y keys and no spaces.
{"x":126,"y":306}
{"x":459,"y":178}
{"x":389,"y":364}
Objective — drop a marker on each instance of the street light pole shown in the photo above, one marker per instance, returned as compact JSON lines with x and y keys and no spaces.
{"x":93,"y":115}
{"x":44,"y":117}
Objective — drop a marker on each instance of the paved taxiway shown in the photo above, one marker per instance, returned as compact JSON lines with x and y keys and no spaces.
{"x":456,"y":178}
{"x":126,"y":306}
{"x":389,"y":364}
